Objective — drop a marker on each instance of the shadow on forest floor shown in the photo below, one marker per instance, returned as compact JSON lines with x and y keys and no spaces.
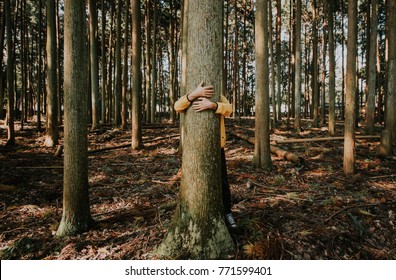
{"x":292,"y":212}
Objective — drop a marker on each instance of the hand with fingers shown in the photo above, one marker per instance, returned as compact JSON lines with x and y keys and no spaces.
{"x":201,"y":91}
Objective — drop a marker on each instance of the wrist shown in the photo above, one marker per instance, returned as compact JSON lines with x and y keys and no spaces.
{"x":215,"y":106}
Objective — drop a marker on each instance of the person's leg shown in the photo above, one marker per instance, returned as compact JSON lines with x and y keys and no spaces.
{"x":226,"y":193}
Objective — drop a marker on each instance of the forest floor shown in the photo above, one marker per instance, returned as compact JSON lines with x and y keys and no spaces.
{"x":295,"y":211}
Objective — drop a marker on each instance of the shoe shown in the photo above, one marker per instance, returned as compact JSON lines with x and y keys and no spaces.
{"x":231,"y":221}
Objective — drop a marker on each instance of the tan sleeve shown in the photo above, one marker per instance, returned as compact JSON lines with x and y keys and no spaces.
{"x":182,"y":104}
{"x":224,"y":107}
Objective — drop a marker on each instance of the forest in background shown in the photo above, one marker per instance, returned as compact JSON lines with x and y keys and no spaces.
{"x":307,"y":93}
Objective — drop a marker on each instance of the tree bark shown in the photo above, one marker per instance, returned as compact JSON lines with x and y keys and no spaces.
{"x":278,"y":57}
{"x":103,"y":60}
{"x":10,"y":75}
{"x":198,"y":230}
{"x":136,"y":76}
{"x":262,"y":157}
{"x":298,"y":66}
{"x":272,"y":59}
{"x":93,"y":51}
{"x":372,"y":73}
{"x":51,"y":139}
{"x":124,"y":101}
{"x":332,"y":93}
{"x":389,"y":133}
{"x":76,"y":215}
{"x":349,"y":142}
{"x":315,"y":88}
{"x":118,"y":69}
{"x":154,"y":66}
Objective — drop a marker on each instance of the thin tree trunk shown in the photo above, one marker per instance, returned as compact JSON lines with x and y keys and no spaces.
{"x":272,"y":59}
{"x":118,"y":69}
{"x":154,"y":65}
{"x":235,"y":78}
{"x":323,"y":86}
{"x":372,"y":73}
{"x":315,"y":88}
{"x":148,"y":61}
{"x":93,"y":50}
{"x":10,"y":75}
{"x":104,"y":70}
{"x":136,"y":76}
{"x":332,"y":93}
{"x":298,"y":66}
{"x":124,"y":112}
{"x":389,"y":134}
{"x":262,"y":157}
{"x":51,"y":139}
{"x":40,"y":63}
{"x":349,"y":142}
{"x":278,"y":57}
{"x":2,"y":33}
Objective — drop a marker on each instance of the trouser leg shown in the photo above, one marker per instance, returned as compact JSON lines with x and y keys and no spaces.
{"x":226,"y":193}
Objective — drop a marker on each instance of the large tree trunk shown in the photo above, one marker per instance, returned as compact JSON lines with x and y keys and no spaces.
{"x":136,"y":76}
{"x":93,"y":51}
{"x":198,"y":230}
{"x":298,"y":65}
{"x":332,"y":93}
{"x":372,"y":73}
{"x":76,"y":215}
{"x":51,"y":138}
{"x":349,"y":142}
{"x":262,"y":157}
{"x":10,"y":75}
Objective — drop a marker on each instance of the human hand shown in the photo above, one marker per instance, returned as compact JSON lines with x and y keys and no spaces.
{"x":203,"y":104}
{"x":201,"y":91}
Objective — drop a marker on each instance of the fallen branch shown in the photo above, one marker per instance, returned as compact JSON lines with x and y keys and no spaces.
{"x":347,"y":208}
{"x":126,"y":145}
{"x":274,"y":150}
{"x":324,"y":139}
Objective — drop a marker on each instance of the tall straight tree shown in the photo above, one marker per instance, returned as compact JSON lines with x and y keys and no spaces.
{"x":372,"y":71}
{"x":332,"y":92}
{"x":40,"y":63}
{"x":2,"y":33}
{"x":93,"y":60}
{"x":198,"y":230}
{"x":262,"y":156}
{"x":103,"y":60}
{"x":154,"y":65}
{"x":136,"y":76}
{"x":10,"y":75}
{"x":278,"y":57}
{"x":148,"y":60}
{"x":124,"y":111}
{"x":76,"y":215}
{"x":349,"y":138}
{"x":298,"y":66}
{"x":51,"y":138}
{"x":118,"y":68}
{"x":271,"y":49}
{"x":389,"y":134}
{"x":314,"y":81}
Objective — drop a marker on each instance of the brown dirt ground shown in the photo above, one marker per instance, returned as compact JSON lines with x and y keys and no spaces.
{"x":309,"y":211}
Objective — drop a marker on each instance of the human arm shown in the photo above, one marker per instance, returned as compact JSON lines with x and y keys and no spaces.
{"x":200,"y":92}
